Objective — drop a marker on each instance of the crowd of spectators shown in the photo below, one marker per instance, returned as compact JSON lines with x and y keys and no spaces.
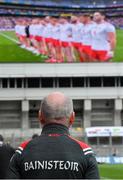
{"x":8,"y":11}
{"x":9,"y":22}
{"x":118,"y":22}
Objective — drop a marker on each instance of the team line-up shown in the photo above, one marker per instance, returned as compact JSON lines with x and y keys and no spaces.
{"x":79,"y":38}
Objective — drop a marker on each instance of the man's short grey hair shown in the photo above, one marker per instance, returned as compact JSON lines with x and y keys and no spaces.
{"x":57,"y":111}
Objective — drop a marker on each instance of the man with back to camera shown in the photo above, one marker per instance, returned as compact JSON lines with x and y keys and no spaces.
{"x":54,"y":154}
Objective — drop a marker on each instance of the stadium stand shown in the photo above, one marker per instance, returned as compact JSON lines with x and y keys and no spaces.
{"x":94,"y":90}
{"x":9,"y":22}
{"x":70,"y":3}
{"x":60,"y":8}
{"x":21,"y":111}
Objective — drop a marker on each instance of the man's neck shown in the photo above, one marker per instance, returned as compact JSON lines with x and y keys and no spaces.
{"x":55,"y":128}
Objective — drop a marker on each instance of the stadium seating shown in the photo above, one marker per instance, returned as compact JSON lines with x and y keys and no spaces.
{"x":102,"y":113}
{"x":10,"y":114}
{"x":104,"y":151}
{"x":89,"y":3}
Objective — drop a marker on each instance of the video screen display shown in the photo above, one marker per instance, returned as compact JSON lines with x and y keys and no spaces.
{"x":64,"y":38}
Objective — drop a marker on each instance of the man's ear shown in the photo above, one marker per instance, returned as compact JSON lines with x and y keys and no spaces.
{"x":41,"y":117}
{"x":72,"y":118}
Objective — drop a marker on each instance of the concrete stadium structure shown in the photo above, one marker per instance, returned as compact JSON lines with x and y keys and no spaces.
{"x":96,"y":90}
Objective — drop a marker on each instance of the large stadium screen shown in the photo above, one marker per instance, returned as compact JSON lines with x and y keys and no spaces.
{"x":69,"y":38}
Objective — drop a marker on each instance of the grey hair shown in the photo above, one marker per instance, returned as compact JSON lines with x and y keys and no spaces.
{"x":53,"y":111}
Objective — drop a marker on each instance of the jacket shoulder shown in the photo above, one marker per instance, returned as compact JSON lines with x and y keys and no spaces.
{"x":22,"y":146}
{"x":84,"y":147}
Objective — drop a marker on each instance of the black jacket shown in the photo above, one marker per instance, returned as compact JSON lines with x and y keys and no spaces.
{"x":6,"y":152}
{"x":27,"y":31}
{"x":53,"y":155}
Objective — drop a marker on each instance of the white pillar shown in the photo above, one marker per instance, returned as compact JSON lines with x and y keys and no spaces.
{"x":25,"y":114}
{"x":117,"y":112}
{"x":87,"y":112}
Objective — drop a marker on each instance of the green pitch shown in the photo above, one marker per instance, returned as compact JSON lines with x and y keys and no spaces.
{"x":11,"y":52}
{"x":108,"y":171}
{"x":119,"y":48}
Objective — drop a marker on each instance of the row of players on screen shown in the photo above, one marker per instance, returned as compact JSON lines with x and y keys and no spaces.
{"x":79,"y":38}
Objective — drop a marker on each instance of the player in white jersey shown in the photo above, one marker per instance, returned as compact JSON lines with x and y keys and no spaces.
{"x":32,"y":29}
{"x":43,"y":35}
{"x":55,"y":31}
{"x":39,"y":37}
{"x":17,"y":30}
{"x":48,"y":38}
{"x":35,"y":30}
{"x":38,"y":30}
{"x":103,"y":39}
{"x":23,"y":37}
{"x":76,"y":37}
{"x":86,"y":36}
{"x":33,"y":34}
{"x":47,"y":30}
{"x":66,"y":39}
